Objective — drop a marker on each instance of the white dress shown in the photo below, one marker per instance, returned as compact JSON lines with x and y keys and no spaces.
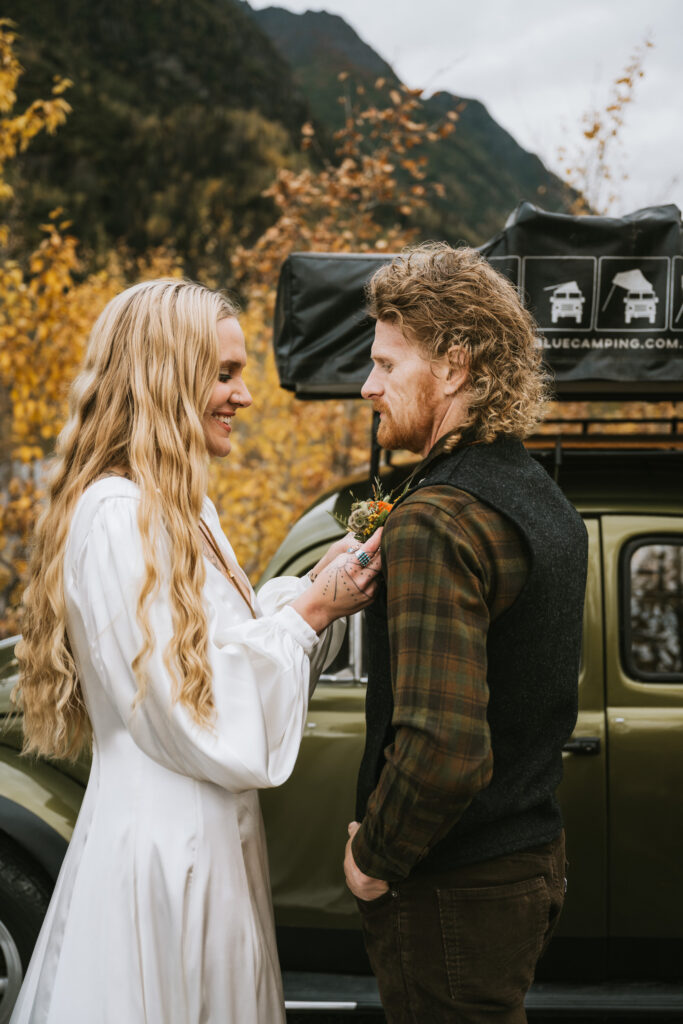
{"x":162,"y":913}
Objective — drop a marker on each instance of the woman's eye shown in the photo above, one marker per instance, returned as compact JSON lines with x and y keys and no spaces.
{"x":224,"y":377}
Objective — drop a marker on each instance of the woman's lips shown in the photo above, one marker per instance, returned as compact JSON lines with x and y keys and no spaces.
{"x":223,"y":421}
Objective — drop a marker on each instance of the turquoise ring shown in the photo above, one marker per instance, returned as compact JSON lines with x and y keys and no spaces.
{"x":363,"y":557}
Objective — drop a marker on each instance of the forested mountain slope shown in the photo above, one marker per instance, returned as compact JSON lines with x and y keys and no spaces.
{"x":484,"y":170}
{"x":183,"y":111}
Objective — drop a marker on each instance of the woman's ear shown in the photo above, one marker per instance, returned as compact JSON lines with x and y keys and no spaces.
{"x":458,"y":369}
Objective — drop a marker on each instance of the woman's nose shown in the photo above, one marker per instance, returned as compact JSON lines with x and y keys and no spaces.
{"x":241,"y":395}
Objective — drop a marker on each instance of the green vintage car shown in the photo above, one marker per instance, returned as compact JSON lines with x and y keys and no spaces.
{"x":620,"y":940}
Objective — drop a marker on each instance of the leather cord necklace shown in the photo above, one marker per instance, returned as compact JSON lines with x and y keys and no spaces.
{"x":217,"y":559}
{"x":211,"y":550}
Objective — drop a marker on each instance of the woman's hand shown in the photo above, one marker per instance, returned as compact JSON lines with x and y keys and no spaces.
{"x":343,"y":546}
{"x":343,"y":586}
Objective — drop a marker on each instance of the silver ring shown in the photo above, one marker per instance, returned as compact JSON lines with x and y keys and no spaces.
{"x":363,"y":557}
{"x":350,"y":550}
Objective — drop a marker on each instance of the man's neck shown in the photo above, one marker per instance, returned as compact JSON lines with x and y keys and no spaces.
{"x":450,"y":419}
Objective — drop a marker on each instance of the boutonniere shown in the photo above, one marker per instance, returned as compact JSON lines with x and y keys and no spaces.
{"x":367,"y":515}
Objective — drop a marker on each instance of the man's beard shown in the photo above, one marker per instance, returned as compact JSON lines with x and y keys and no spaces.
{"x":387,"y":434}
{"x":414,"y":430}
{"x":393,"y":436}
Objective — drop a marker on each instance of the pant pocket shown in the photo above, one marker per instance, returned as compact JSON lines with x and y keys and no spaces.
{"x":369,"y":906}
{"x":492,"y":938}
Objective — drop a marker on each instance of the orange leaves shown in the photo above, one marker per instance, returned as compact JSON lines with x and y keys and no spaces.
{"x":593,"y":168}
{"x":307,"y":135}
{"x":17,"y":132}
{"x":337,"y":207}
{"x":61,"y":85}
{"x":18,"y":512}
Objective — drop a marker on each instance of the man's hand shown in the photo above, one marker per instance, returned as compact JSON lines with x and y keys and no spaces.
{"x":362,"y":886}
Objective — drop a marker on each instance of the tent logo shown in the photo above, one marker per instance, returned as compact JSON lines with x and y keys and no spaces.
{"x":677,"y":294}
{"x":566,"y":301}
{"x":640,"y":299}
{"x":560,"y":291}
{"x":633,"y":293}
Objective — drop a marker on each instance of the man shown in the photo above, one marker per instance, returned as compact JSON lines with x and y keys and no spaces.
{"x":473,"y":645}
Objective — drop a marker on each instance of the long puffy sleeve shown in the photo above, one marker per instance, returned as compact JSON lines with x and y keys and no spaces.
{"x":281,"y":591}
{"x":261,"y":667}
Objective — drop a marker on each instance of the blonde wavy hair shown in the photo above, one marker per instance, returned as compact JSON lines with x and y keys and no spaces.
{"x":443,"y":298}
{"x":136,"y":408}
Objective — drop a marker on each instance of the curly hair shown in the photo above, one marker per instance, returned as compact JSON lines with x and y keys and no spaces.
{"x":136,"y":408}
{"x":442,"y":299}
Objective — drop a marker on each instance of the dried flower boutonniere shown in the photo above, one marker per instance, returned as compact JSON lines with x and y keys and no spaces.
{"x":369,"y":514}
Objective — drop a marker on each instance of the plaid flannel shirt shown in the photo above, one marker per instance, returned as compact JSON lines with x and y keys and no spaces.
{"x":452,"y":564}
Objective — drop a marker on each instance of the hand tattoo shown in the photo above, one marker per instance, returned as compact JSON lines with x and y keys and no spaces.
{"x":347,"y":580}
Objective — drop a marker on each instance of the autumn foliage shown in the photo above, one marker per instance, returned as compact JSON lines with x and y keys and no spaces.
{"x":593,"y":169}
{"x":285,"y":452}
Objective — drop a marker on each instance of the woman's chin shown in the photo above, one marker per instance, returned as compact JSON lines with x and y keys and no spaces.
{"x":219,"y":449}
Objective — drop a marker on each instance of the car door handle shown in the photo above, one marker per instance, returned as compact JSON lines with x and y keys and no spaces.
{"x":583,"y":745}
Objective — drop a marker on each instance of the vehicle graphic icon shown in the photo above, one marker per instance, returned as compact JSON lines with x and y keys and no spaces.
{"x":679,"y":314}
{"x":640,"y":300}
{"x":566,"y":300}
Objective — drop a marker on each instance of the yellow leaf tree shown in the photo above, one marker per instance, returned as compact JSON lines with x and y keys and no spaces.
{"x":48,"y":302}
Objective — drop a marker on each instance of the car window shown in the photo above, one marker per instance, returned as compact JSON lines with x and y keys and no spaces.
{"x":652,"y":609}
{"x":350,"y":664}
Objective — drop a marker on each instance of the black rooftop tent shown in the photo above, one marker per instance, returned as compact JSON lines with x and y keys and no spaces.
{"x":617,"y":333}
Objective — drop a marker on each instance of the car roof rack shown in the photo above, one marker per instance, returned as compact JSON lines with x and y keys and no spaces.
{"x":610,"y":432}
{"x":597,"y":434}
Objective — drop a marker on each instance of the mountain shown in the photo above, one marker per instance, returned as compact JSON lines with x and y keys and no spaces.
{"x":181,"y":113}
{"x":484,"y":170}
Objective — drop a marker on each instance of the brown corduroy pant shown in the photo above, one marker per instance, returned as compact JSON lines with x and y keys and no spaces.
{"x":461,"y":946}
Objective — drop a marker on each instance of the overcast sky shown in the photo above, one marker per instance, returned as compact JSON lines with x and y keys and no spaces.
{"x":538,"y":65}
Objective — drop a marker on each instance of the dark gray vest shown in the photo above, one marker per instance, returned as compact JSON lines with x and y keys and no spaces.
{"x":533,"y":652}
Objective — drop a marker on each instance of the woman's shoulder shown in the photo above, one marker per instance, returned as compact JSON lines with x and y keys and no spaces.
{"x":104,"y":491}
{"x":112,"y":499}
{"x":209,"y":510}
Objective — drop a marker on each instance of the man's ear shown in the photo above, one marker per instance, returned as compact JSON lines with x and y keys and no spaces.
{"x":458,"y":369}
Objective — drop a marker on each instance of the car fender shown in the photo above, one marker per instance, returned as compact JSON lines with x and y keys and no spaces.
{"x":39,"y":805}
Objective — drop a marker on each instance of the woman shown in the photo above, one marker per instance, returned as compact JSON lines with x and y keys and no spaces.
{"x":195,"y":692}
